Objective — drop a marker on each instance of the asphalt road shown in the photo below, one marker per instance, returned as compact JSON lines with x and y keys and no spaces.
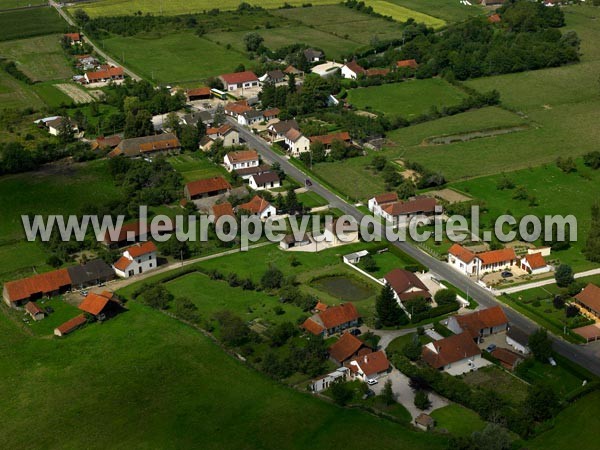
{"x":586,"y":356}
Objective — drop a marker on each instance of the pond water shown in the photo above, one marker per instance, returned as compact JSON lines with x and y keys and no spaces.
{"x":344,"y":288}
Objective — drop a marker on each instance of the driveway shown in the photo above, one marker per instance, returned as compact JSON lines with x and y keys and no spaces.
{"x":388,"y":336}
{"x":405,"y":395}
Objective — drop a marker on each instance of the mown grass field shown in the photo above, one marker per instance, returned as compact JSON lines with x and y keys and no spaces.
{"x":457,"y":420}
{"x":195,"y":167}
{"x":172,"y":388}
{"x":448,"y":10}
{"x":25,"y":23}
{"x":11,"y":4}
{"x":51,"y":95}
{"x":174,"y":57}
{"x":16,"y":94}
{"x":41,"y":58}
{"x":408,"y":99}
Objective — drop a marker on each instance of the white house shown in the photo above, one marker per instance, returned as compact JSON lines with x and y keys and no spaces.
{"x":258,"y":206}
{"x":278,"y":130}
{"x":398,"y":213}
{"x":343,"y":233}
{"x":376,"y":203}
{"x":478,"y":264}
{"x":138,"y":258}
{"x":296,"y":142}
{"x":55,"y":125}
{"x":369,"y":367}
{"x":340,"y":374}
{"x":535,"y":264}
{"x":352,"y":70}
{"x":518,"y":340}
{"x":265,"y":180}
{"x":239,"y":80}
{"x":242,"y":159}
{"x":456,"y":354}
{"x":313,"y":55}
{"x":225,"y":133}
{"x":480,"y":323}
{"x":250,"y":117}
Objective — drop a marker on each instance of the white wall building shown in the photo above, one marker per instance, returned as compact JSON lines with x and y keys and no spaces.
{"x":137,"y":259}
{"x":242,"y":159}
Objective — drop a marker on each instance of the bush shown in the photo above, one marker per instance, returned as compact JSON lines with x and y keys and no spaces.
{"x":422,"y":400}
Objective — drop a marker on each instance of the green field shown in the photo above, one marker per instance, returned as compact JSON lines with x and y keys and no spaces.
{"x":174,"y":57}
{"x":505,"y":384}
{"x":16,"y":94}
{"x":448,"y":10}
{"x":41,"y":58}
{"x":11,"y":4}
{"x":51,"y":95}
{"x":24,"y":23}
{"x":573,"y":425}
{"x":408,"y":99}
{"x":311,"y":200}
{"x":145,"y":380}
{"x":402,"y":14}
{"x":195,"y":167}
{"x":457,"y":420}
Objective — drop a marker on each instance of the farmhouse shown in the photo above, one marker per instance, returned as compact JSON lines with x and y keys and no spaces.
{"x":296,"y":142}
{"x":250,"y":117}
{"x":589,"y":299}
{"x":313,"y":55}
{"x":273,"y":76}
{"x":258,"y":206}
{"x":73,"y":38}
{"x":369,"y":367}
{"x":333,"y":320}
{"x":245,"y":174}
{"x":105,"y":74}
{"x":376,"y":203}
{"x":457,"y":352}
{"x":328,"y":139}
{"x":278,"y":130}
{"x":34,"y":311}
{"x":407,"y":64}
{"x":535,"y":264}
{"x":90,"y":274}
{"x":518,"y":340}
{"x":56,"y":125}
{"x":206,"y":187}
{"x":202,"y":93}
{"x":101,"y":306}
{"x":479,"y":324}
{"x":235,"y":109}
{"x":239,"y":80}
{"x":138,"y":258}
{"x":147,"y":145}
{"x":226,"y":133}
{"x":399,"y":212}
{"x":271,"y":114}
{"x":85,"y":62}
{"x":195,"y":118}
{"x":222,"y":210}
{"x":347,"y":347}
{"x":70,"y":325}
{"x":242,"y":159}
{"x":17,"y":293}
{"x":290,"y":241}
{"x":266,"y":180}
{"x":352,"y":70}
{"x":471,"y":263}
{"x":106,"y":143}
{"x":340,"y":374}
{"x":406,"y":285}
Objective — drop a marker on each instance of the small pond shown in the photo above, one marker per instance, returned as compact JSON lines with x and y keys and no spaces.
{"x":344,"y":288}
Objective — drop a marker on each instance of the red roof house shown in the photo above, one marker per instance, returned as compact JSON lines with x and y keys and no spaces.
{"x":239,"y":80}
{"x":407,"y":63}
{"x":589,"y":298}
{"x":207,"y":187}
{"x":333,"y":320}
{"x":369,"y":366}
{"x":70,"y":325}
{"x":442,"y":354}
{"x":480,"y":323}
{"x":346,"y":347}
{"x":17,"y":293}
{"x":407,"y":285}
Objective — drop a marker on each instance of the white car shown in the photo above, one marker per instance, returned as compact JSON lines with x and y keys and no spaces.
{"x":371,"y":382}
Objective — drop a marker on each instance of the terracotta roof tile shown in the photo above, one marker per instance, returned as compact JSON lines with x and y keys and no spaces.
{"x":72,"y":324}
{"x":141,"y":249}
{"x":345,"y":347}
{"x":590,"y":297}
{"x":327,"y":139}
{"x":461,"y":253}
{"x":370,"y":364}
{"x":388,"y":197}
{"x":449,"y":350}
{"x":312,"y":326}
{"x":402,"y":280}
{"x":242,"y":155}
{"x":484,"y":318}
{"x":93,"y":303}
{"x":44,"y":284}
{"x":207,"y":185}
{"x":255,"y":206}
{"x":339,"y":315}
{"x":410,"y":63}
{"x":535,"y":261}
{"x":33,"y":309}
{"x":223,"y":209}
{"x":239,"y":77}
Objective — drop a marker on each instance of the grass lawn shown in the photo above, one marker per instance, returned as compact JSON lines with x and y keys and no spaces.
{"x":448,"y":10}
{"x":195,"y":166}
{"x":11,"y":4}
{"x":63,"y":311}
{"x":15,"y":94}
{"x":388,"y":261}
{"x":559,"y":378}
{"x":408,"y":99}
{"x":398,"y":344}
{"x":505,"y":384}
{"x":172,"y":387}
{"x":572,"y":425}
{"x":176,"y":57}
{"x":311,"y":200}
{"x":402,"y":14}
{"x":24,"y":23}
{"x":457,"y":420}
{"x":41,"y":58}
{"x":52,"y":96}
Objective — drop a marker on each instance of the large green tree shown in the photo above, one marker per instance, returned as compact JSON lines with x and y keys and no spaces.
{"x":388,"y":311}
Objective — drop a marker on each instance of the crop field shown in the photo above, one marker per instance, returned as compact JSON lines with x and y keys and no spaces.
{"x":448,"y":10}
{"x":191,"y":393}
{"x":15,"y":94}
{"x":12,"y":4}
{"x":402,"y":14}
{"x":41,"y":58}
{"x":408,"y":99}
{"x":174,"y":57}
{"x":25,"y":23}
{"x":52,"y":95}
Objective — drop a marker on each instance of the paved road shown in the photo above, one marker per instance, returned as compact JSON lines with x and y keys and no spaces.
{"x":100,"y":52}
{"x":587,"y":356}
{"x":524,"y":287}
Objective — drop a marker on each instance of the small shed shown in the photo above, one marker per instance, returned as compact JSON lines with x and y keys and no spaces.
{"x":290,"y":241}
{"x":424,"y":421}
{"x":35,"y":311}
{"x":354,"y":258}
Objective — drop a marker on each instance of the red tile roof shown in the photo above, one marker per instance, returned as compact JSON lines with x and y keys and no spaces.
{"x":535,"y":261}
{"x":72,"y":324}
{"x":223,"y":209}
{"x":590,"y":297}
{"x":497,"y":256}
{"x":321,"y":306}
{"x":242,"y":156}
{"x":345,"y":347}
{"x":402,"y":280}
{"x":494,"y":18}
{"x":239,"y":107}
{"x":449,"y":350}
{"x":388,"y":197}
{"x":312,"y":326}
{"x":218,"y":130}
{"x":273,"y":112}
{"x":339,"y":315}
{"x":370,"y":364}
{"x":122,"y":263}
{"x":33,"y":309}
{"x":461,"y":253}
{"x":327,"y":139}
{"x":111,"y":72}
{"x":44,"y":284}
{"x":73,"y":36}
{"x":239,"y":77}
{"x":377,"y":72}
{"x":293,"y":134}
{"x":410,"y":63}
{"x":207,"y":185}
{"x":478,"y":320}
{"x":354,"y":67}
{"x":198,"y":92}
{"x":506,"y":357}
{"x":423,"y":205}
{"x":159,"y":145}
{"x":141,"y":249}
{"x":93,"y":303}
{"x":255,"y":206}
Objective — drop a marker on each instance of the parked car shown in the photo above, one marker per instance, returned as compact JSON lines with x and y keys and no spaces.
{"x":308,"y":182}
{"x":356,"y":332}
{"x":490,"y":348}
{"x":84,"y":293}
{"x":371,"y":381}
{"x":506,"y":274}
{"x":49,"y":309}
